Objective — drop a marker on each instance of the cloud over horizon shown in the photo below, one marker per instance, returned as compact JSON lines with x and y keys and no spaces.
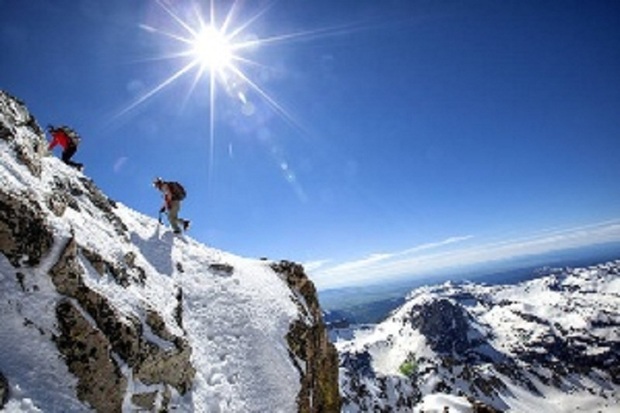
{"x":451,"y":253}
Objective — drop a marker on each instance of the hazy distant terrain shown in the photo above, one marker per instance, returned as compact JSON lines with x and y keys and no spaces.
{"x":372,"y":303}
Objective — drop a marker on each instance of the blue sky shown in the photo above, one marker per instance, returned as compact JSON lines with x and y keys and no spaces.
{"x":354,"y":133}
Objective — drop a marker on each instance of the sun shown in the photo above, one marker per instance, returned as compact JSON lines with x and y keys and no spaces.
{"x":217,"y":47}
{"x":212,"y":50}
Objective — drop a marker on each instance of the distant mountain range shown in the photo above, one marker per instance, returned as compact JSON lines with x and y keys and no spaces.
{"x":548,"y":344}
{"x":372,"y":303}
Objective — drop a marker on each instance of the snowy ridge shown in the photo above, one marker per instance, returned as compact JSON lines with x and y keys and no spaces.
{"x":551,"y":344}
{"x":182,"y":326}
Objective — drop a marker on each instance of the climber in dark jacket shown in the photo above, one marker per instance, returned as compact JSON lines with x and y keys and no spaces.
{"x":174,"y":193}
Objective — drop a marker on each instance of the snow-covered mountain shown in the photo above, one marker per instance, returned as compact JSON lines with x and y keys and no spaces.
{"x":551,"y":344}
{"x":103,"y":309}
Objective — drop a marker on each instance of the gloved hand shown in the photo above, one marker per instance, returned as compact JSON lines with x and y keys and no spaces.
{"x":162,"y":210}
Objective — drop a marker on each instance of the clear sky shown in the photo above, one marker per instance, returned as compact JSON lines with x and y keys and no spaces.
{"x":351,"y":134}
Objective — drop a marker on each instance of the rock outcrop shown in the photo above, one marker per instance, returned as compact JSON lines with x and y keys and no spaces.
{"x":4,"y":390}
{"x":308,"y":342}
{"x":15,"y":115}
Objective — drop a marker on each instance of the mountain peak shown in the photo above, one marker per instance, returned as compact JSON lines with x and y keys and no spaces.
{"x":444,"y":324}
{"x":104,"y":309}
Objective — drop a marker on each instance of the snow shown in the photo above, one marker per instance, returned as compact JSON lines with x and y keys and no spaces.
{"x":235,"y":322}
{"x":438,"y":403}
{"x":555,"y":401}
{"x":576,"y":303}
{"x":400,"y":339}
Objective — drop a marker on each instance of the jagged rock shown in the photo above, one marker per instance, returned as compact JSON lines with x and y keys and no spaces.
{"x":479,"y":407}
{"x":4,"y":390}
{"x":105,"y":204}
{"x":178,"y":310}
{"x":87,"y":352}
{"x":57,"y":203}
{"x":359,"y":362}
{"x":172,"y":367}
{"x":151,"y":363}
{"x":308,"y":342}
{"x":66,"y":275}
{"x":364,"y":390}
{"x":144,"y":401}
{"x":150,"y":401}
{"x":63,"y":196}
{"x":444,"y":324}
{"x":28,"y":151}
{"x":223,"y":270}
{"x":123,"y":273}
{"x":174,"y":364}
{"x":24,"y":235}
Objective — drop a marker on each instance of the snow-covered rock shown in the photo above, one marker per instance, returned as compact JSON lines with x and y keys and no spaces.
{"x":103,"y":309}
{"x":551,"y":344}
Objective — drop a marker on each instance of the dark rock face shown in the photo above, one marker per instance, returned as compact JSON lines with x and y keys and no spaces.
{"x":85,"y":345}
{"x":88,"y":348}
{"x":88,"y":355}
{"x":124,"y":273}
{"x":308,"y":342}
{"x":24,"y":236}
{"x":444,"y":324}
{"x":4,"y":390}
{"x":360,"y":362}
{"x":27,"y":151}
{"x":369,"y":392}
{"x":104,"y":204}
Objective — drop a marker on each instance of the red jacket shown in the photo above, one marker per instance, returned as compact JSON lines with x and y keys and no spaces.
{"x":59,"y":137}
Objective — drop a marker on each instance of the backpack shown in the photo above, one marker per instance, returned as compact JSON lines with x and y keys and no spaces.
{"x":177,"y":191}
{"x":75,"y":138}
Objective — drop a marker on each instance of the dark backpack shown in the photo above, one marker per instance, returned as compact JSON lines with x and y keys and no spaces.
{"x":71,"y":134}
{"x":177,"y":191}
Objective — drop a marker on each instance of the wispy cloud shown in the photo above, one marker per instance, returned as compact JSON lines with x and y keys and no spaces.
{"x":119,"y":164}
{"x":314,"y":265}
{"x":451,"y":253}
{"x":432,"y":245}
{"x":383,"y":258}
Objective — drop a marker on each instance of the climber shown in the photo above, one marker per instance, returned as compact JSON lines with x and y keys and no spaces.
{"x":69,"y":140}
{"x":174,"y":193}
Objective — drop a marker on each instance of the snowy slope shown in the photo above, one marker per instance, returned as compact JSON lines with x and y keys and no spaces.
{"x":233,"y":313}
{"x":551,"y":344}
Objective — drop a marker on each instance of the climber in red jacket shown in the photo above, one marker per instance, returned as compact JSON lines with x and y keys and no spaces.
{"x":68,"y":140}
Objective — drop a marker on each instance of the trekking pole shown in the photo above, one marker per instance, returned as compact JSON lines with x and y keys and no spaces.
{"x":159,"y":216}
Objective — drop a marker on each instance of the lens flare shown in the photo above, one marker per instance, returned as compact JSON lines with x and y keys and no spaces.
{"x":218,"y":48}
